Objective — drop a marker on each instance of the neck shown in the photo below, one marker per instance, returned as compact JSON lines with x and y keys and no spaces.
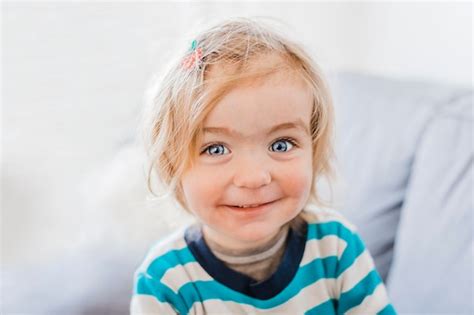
{"x":233,"y":248}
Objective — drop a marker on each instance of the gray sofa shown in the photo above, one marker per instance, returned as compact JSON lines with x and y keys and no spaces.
{"x":406,"y":166}
{"x":406,"y":155}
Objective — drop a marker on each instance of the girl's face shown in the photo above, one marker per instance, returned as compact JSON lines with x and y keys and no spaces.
{"x":256,"y":152}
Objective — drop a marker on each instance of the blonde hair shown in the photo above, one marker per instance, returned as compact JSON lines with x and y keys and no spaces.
{"x":182,"y":97}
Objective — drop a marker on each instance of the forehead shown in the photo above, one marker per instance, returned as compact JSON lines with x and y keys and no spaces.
{"x":256,"y":107}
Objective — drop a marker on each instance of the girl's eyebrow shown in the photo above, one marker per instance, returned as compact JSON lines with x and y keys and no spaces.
{"x":297,"y":124}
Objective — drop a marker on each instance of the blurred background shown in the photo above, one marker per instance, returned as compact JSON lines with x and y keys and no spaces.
{"x":73,"y":80}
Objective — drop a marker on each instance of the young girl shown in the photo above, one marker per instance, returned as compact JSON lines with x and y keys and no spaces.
{"x":239,"y":133}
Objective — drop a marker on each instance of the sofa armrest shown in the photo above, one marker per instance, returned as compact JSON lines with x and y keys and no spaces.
{"x":432,"y":259}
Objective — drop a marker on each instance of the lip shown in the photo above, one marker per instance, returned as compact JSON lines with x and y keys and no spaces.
{"x":252,"y":210}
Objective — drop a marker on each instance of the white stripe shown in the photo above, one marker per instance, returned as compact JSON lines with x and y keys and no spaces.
{"x":330,"y":245}
{"x":176,"y":277}
{"x":360,"y":268}
{"x":147,"y":305}
{"x":221,"y":307}
{"x":161,"y":248}
{"x":373,"y":303}
{"x":318,"y":215}
{"x":309,"y":297}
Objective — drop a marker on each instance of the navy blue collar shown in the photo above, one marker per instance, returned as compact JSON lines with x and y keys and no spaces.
{"x":279,"y":280}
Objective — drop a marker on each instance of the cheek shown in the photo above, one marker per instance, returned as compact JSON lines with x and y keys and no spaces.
{"x":297,"y":179}
{"x":200,"y":188}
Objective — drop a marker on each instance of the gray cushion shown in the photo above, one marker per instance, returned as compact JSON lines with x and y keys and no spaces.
{"x":433,"y":251}
{"x":395,"y":149}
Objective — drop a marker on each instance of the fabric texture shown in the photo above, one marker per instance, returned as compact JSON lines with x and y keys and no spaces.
{"x":405,"y":161}
{"x":435,"y":237}
{"x":259,"y":263}
{"x":331,"y":272}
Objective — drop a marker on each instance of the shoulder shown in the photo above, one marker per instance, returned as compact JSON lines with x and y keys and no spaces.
{"x":167,"y":253}
{"x":330,"y":234}
{"x":168,"y":267}
{"x":331,"y":230}
{"x":316,"y":216}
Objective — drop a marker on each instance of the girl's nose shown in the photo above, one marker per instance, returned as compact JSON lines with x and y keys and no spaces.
{"x":251,"y":173}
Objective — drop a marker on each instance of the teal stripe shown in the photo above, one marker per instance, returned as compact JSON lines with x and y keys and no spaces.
{"x":171,"y":259}
{"x":193,"y":292}
{"x":148,"y":286}
{"x":148,"y":283}
{"x":320,"y":230}
{"x":199,"y":291}
{"x":356,"y":295}
{"x":326,"y":308}
{"x":355,"y":245}
{"x":387,"y":310}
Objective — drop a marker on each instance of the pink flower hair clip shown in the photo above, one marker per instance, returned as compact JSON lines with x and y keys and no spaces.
{"x":194,"y":57}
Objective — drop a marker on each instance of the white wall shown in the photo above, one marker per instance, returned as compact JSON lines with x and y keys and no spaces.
{"x":73,"y":76}
{"x":431,"y":41}
{"x":414,"y":40}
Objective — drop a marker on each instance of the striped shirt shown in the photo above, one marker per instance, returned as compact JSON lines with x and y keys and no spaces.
{"x":325,"y":270}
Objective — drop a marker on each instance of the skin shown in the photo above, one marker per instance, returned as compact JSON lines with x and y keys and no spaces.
{"x":252,"y":166}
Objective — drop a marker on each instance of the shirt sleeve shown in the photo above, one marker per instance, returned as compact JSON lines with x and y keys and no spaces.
{"x":147,"y":304}
{"x":144,"y":301}
{"x":361,"y":289}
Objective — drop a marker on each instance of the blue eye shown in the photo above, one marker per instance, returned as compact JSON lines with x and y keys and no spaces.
{"x":215,"y":149}
{"x":282,"y":145}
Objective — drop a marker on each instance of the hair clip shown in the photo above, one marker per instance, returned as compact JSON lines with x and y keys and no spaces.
{"x":194,"y":56}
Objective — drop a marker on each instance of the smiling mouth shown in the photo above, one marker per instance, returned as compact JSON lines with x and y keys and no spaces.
{"x":251,"y":206}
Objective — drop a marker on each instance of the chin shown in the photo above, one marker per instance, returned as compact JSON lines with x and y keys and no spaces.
{"x":255,"y":233}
